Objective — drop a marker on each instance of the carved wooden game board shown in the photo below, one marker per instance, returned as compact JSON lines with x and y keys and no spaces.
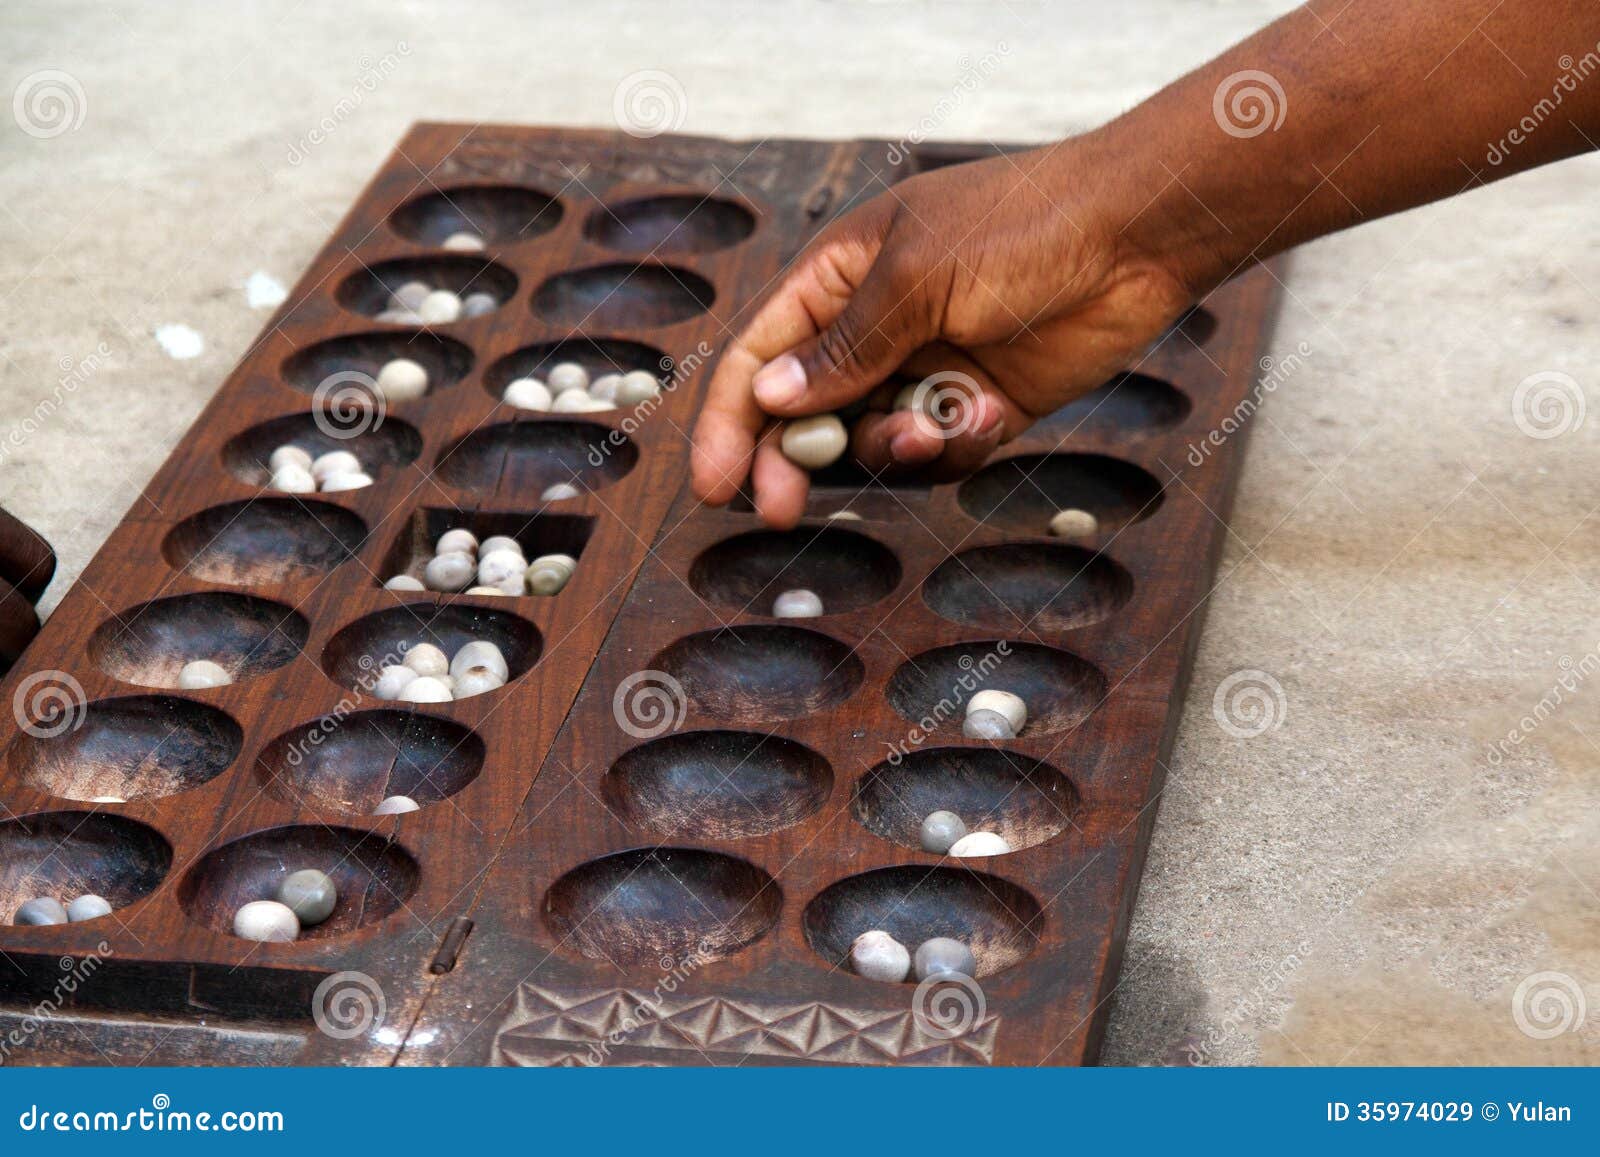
{"x":656,"y":843}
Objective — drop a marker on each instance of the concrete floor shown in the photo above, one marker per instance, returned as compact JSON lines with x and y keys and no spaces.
{"x":1360,"y":884}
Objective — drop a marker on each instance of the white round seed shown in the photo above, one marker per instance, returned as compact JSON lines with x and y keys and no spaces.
{"x":440,"y":308}
{"x":463,"y":241}
{"x":404,"y":582}
{"x":499,"y":542}
{"x":940,"y":831}
{"x":426,"y":689}
{"x":797,"y":604}
{"x":478,"y":304}
{"x":426,"y":659}
{"x":354,"y":480}
{"x":267,"y":921}
{"x":477,"y":680}
{"x":495,"y":566}
{"x":392,"y":680}
{"x":636,"y":387}
{"x":814,"y":442}
{"x":408,"y":295}
{"x":1074,"y":523}
{"x":89,"y":907}
{"x":549,"y":573}
{"x":564,"y":376}
{"x":452,"y":571}
{"x":39,"y":912}
{"x":578,"y":402}
{"x":942,"y":954}
{"x":396,"y":805}
{"x":876,"y":955}
{"x":482,"y":590}
{"x":558,"y":492}
{"x":402,"y":380}
{"x":479,"y":653}
{"x":989,"y":725}
{"x":527,"y":394}
{"x":604,"y":388}
{"x":979,"y":844}
{"x":334,"y":462}
{"x":293,"y":479}
{"x":457,"y":541}
{"x":1008,"y":704}
{"x":202,"y":673}
{"x":290,"y":456}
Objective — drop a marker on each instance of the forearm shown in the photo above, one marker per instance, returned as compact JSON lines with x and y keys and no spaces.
{"x":1378,"y":106}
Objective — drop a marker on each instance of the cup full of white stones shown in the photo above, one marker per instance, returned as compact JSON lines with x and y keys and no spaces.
{"x":428,"y":675}
{"x":568,"y":388}
{"x":496,"y":567}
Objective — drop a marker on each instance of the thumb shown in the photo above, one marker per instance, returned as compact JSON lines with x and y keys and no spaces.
{"x":886,"y":319}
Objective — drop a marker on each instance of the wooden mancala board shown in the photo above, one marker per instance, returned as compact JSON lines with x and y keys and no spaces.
{"x":656,"y":843}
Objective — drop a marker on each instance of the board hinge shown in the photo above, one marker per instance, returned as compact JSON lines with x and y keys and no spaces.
{"x":455,"y":936}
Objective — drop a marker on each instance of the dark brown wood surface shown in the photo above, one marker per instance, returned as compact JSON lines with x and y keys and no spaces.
{"x":568,"y":867}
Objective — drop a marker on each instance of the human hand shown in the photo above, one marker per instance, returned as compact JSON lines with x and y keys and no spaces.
{"x":1016,"y":273}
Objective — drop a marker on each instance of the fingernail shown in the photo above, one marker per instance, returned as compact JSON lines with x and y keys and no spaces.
{"x":780,"y":381}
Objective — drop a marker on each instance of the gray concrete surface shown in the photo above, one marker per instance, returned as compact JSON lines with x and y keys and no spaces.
{"x":1360,"y":883}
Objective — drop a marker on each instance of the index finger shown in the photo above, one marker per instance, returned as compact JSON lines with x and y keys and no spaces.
{"x":808,"y":300}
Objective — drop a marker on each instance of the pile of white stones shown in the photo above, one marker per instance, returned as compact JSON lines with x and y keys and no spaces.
{"x":297,"y":472}
{"x":945,"y":833}
{"x":428,"y":675}
{"x":304,"y":899}
{"x":497,"y":566}
{"x":994,"y":714}
{"x":567,"y":389}
{"x":49,"y":910}
{"x":877,"y":955}
{"x":418,"y":303}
